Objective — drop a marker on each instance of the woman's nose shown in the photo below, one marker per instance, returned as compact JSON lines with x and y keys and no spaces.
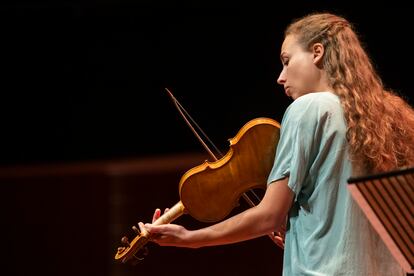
{"x":281,"y":79}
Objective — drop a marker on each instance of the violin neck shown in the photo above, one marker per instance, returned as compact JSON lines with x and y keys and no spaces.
{"x":176,"y":211}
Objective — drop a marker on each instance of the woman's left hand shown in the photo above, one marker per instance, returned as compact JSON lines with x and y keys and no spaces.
{"x":168,"y":234}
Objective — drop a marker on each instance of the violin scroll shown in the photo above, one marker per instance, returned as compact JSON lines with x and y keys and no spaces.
{"x":135,"y":250}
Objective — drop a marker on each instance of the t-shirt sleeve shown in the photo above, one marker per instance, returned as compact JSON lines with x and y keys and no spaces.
{"x":302,"y":127}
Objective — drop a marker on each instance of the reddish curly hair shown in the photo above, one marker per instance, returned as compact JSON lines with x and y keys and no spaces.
{"x":380,"y":124}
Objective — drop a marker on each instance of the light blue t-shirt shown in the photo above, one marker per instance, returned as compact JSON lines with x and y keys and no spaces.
{"x":327,"y":232}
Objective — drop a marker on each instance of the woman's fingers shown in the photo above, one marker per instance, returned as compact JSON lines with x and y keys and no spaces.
{"x":279,"y":242}
{"x":142,"y":227}
{"x":156,"y":215}
{"x":278,"y":239}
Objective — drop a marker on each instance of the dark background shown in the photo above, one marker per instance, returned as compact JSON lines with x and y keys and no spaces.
{"x":86,"y":81}
{"x":83,"y":85}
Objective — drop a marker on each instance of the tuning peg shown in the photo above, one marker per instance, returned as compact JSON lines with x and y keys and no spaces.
{"x":137,"y":259}
{"x":124,"y":240}
{"x":136,"y":229}
{"x":142,"y":253}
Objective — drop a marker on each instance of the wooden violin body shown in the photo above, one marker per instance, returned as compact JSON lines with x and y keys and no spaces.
{"x":210,"y":191}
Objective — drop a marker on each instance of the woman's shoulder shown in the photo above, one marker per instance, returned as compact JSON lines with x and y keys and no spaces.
{"x":317,"y":97}
{"x":316,"y":100}
{"x":314,"y":105}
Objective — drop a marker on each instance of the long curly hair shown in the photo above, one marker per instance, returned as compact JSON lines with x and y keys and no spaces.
{"x":380,"y":124}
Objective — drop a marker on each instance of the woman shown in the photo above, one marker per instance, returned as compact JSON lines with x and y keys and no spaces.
{"x":342,"y":123}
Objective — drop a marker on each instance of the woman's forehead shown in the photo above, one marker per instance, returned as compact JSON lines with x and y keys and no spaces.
{"x":289,"y":42}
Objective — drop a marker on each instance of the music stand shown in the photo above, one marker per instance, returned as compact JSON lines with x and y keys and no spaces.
{"x":387,"y":200}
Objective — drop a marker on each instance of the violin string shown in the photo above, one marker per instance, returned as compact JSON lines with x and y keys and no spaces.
{"x":185,"y":114}
{"x":255,"y":195}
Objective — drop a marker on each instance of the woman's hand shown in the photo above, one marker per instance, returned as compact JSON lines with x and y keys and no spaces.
{"x":166,"y":234}
{"x":251,"y":223}
{"x":278,"y":236}
{"x":157,"y":214}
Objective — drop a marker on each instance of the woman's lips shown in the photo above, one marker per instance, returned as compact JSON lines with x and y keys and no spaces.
{"x":287,"y":91}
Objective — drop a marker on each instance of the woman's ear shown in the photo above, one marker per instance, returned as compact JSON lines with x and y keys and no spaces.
{"x":318,"y":50}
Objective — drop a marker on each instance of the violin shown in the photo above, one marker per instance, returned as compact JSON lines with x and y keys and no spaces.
{"x":210,"y":191}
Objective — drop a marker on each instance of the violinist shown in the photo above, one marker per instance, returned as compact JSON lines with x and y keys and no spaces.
{"x":342,"y":123}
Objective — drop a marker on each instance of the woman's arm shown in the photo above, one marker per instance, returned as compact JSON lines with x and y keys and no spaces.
{"x":260,"y":220}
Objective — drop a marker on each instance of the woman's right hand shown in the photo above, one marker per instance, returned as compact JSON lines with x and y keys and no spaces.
{"x":278,"y":236}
